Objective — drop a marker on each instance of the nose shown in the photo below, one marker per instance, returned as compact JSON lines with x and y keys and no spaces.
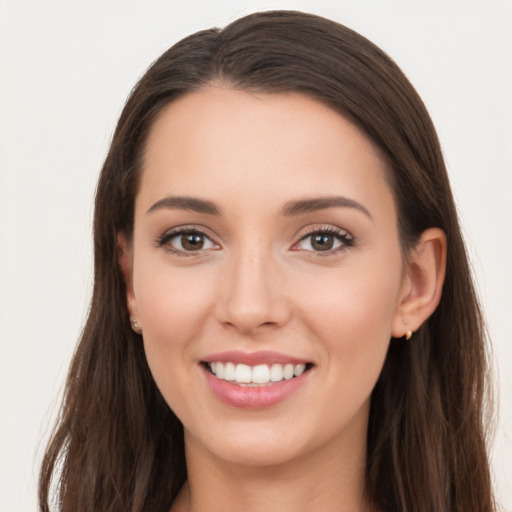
{"x":252,"y":295}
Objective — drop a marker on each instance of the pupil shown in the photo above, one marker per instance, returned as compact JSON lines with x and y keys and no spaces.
{"x":322,"y":242}
{"x":193,"y":242}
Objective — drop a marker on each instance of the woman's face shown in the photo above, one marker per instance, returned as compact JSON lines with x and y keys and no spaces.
{"x":265,"y":250}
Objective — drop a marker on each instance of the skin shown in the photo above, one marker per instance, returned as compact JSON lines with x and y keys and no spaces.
{"x":259,"y":284}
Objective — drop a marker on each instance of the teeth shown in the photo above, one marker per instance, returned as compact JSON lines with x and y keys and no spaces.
{"x":243,"y":373}
{"x":288,"y":371}
{"x":299,"y":370}
{"x":229,"y":371}
{"x":276,"y":372}
{"x":219,"y":370}
{"x":260,"y":374}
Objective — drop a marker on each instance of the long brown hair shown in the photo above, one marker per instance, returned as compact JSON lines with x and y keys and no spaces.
{"x":118,"y":447}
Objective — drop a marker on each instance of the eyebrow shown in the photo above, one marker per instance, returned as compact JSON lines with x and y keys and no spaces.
{"x":303,"y":206}
{"x":290,"y":209}
{"x":186,"y":203}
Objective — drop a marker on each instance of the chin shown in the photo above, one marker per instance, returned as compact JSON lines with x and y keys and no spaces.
{"x":250,"y":444}
{"x":255,"y":453}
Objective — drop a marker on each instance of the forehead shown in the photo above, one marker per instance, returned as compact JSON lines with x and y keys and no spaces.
{"x":273,"y":144}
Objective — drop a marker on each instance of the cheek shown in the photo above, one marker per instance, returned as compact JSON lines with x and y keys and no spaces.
{"x":351,"y":301}
{"x":350,"y":321}
{"x":173,"y":308}
{"x":172,"y":305}
{"x":350,"y":316}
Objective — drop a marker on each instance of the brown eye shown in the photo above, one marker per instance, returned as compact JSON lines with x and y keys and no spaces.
{"x":190,"y":241}
{"x":327,"y":241}
{"x":322,"y":242}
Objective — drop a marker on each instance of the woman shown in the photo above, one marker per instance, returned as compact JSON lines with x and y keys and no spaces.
{"x":283,"y":314}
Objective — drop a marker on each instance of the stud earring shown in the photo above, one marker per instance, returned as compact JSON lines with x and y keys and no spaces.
{"x":135,"y":326}
{"x":408,"y":335}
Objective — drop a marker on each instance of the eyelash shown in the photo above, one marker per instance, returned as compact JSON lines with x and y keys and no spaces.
{"x":346,"y":240}
{"x":165,"y":239}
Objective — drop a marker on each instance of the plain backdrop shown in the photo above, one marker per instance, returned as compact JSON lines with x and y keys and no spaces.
{"x":66,"y":68}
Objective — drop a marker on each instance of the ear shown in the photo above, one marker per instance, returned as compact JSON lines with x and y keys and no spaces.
{"x":125,"y":261}
{"x":422,"y":284}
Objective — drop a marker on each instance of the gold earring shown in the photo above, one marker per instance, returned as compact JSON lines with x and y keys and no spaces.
{"x":408,"y":335}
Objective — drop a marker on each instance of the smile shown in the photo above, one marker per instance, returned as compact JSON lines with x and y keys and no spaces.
{"x":255,"y":380}
{"x":261,"y":374}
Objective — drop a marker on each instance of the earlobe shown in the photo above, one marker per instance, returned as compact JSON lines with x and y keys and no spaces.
{"x":125,"y":263}
{"x":423,"y":282}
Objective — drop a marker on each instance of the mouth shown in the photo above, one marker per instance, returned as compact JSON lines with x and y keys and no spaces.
{"x":255,"y":380}
{"x":258,"y":375}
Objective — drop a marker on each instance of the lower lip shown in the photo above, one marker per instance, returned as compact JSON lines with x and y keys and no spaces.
{"x":257,"y":397}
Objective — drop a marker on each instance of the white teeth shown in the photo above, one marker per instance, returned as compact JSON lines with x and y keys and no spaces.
{"x":276,"y":372}
{"x":299,"y":369}
{"x":259,"y":374}
{"x":220,"y":370}
{"x":288,"y":371}
{"x":229,"y":371}
{"x":243,"y":373}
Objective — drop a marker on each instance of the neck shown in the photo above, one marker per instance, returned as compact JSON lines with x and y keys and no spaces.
{"x":331,"y":478}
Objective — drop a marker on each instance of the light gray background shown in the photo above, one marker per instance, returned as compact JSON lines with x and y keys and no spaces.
{"x":66,"y":68}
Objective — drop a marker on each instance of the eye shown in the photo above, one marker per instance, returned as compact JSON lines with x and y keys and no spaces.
{"x":186,"y":241}
{"x":324,"y":240}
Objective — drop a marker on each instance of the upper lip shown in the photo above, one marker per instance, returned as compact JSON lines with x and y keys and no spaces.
{"x":253,"y":358}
